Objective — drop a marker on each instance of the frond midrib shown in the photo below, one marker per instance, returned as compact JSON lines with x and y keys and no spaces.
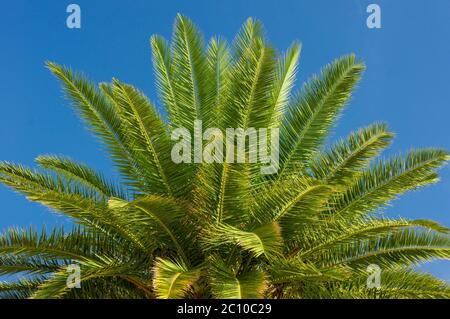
{"x":352,"y":234}
{"x":296,"y":199}
{"x":381,"y":185}
{"x":354,"y":154}
{"x":148,"y":140}
{"x":311,"y":120}
{"x":390,"y":250}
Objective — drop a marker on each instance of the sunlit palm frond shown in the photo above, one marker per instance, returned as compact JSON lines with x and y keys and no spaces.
{"x":314,"y":111}
{"x":224,"y":229}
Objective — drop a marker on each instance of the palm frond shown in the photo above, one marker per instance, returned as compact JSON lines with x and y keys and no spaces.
{"x":56,"y":286}
{"x":76,"y":203}
{"x":285,"y":75}
{"x":293,"y":271}
{"x":330,"y":235}
{"x":163,"y":68}
{"x":80,"y":173}
{"x":225,"y":230}
{"x":345,"y":159}
{"x":101,"y":117}
{"x":189,"y":68}
{"x":265,"y":240}
{"x":225,"y":284}
{"x":388,"y":179}
{"x":28,"y":247}
{"x":293,"y":203}
{"x":11,"y":264}
{"x":163,"y":221}
{"x":21,"y":289}
{"x":147,"y":133}
{"x":171,"y":279}
{"x":222,"y":193}
{"x":408,"y":247}
{"x":251,"y":31}
{"x":395,"y":284}
{"x":314,"y":111}
{"x":218,"y":59}
{"x":252,"y":81}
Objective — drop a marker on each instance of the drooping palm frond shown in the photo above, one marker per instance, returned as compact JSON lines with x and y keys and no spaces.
{"x":82,"y":174}
{"x":165,"y":223}
{"x":389,"y":179}
{"x":14,"y":264}
{"x":291,"y":271}
{"x":292,"y":203}
{"x":30,"y":247}
{"x":56,"y":286}
{"x":395,"y":284}
{"x":226,"y":284}
{"x":408,"y":247}
{"x":172,"y":279}
{"x":264,"y":240}
{"x":21,"y":289}
{"x":344,"y":231}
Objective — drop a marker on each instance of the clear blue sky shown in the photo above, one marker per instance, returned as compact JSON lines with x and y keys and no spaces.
{"x":406,"y":83}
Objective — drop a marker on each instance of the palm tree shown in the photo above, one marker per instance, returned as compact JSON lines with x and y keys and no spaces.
{"x":225,"y":230}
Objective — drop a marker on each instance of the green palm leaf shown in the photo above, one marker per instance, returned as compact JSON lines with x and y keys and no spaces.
{"x":344,"y":161}
{"x":264,"y":240}
{"x":408,"y":247}
{"x":284,"y":82}
{"x":388,"y":179}
{"x":21,"y":289}
{"x":225,"y":284}
{"x":171,"y":279}
{"x":147,"y":133}
{"x":310,"y":117}
{"x":82,"y":174}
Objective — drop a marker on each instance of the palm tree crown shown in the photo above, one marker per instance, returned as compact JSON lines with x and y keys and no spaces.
{"x":225,"y":230}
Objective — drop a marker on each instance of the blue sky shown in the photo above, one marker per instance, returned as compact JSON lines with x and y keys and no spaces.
{"x":406,"y":83}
